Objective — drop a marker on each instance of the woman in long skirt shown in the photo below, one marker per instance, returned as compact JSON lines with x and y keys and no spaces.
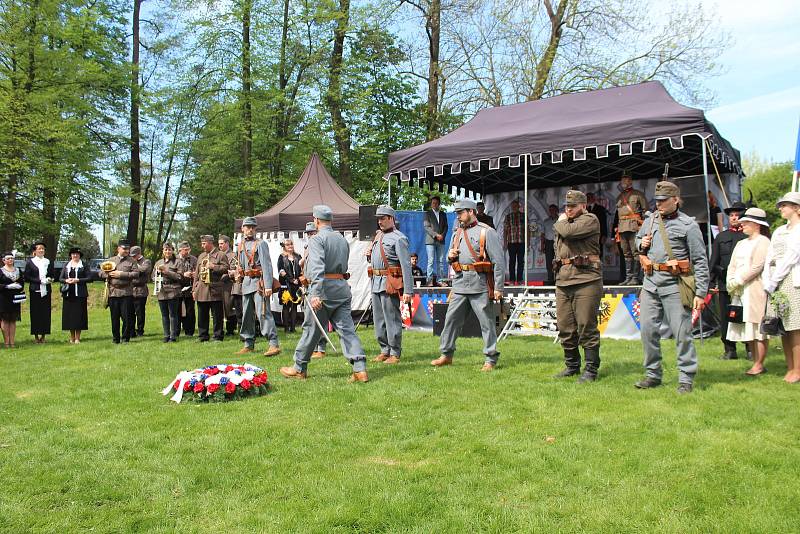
{"x":74,"y":277}
{"x":39,"y":274}
{"x":288,"y":276}
{"x":11,"y":295}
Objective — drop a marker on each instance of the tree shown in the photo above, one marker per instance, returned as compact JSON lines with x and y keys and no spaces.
{"x":135,"y":93}
{"x":333,"y":97}
{"x":767,"y":183}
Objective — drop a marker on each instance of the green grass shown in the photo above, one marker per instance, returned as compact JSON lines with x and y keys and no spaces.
{"x":89,"y":443}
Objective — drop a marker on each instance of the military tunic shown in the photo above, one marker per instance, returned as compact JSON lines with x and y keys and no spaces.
{"x":470,"y":289}
{"x":188,"y":317}
{"x":209,"y":296}
{"x":120,"y":296}
{"x":232,"y":301}
{"x":140,"y":294}
{"x":255,"y":308}
{"x":323,"y":343}
{"x":328,"y":253}
{"x":579,"y":289}
{"x":631,"y":206}
{"x":169,"y":298}
{"x":660,"y":299}
{"x":386,"y":308}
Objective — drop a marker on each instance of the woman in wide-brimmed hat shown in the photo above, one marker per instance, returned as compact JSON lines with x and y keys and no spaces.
{"x":744,"y":284}
{"x":74,"y":277}
{"x":782,"y":275}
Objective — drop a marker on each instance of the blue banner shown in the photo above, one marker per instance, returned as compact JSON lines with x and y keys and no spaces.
{"x":411,"y":224}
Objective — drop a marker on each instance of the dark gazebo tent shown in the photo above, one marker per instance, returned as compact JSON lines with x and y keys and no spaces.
{"x":315,"y":186}
{"x":572,"y":139}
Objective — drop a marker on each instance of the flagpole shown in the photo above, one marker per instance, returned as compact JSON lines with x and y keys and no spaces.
{"x":796,"y":173}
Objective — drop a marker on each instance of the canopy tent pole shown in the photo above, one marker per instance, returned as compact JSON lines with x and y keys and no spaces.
{"x":525,"y":213}
{"x":708,"y":210}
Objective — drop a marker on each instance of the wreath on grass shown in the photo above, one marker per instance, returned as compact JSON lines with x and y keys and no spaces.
{"x":218,"y":383}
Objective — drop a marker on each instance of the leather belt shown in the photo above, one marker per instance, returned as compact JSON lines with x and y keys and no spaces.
{"x":590,"y":257}
{"x":380,"y":272}
{"x":253,"y":273}
{"x":337,"y":276}
{"x":634,"y":216}
{"x":465,"y":267}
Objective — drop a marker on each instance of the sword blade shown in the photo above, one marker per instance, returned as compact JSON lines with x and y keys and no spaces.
{"x":319,"y":325}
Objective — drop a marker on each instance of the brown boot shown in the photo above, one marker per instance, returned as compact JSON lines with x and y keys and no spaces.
{"x":245,"y":350}
{"x":487,"y":367}
{"x":442,"y":360}
{"x":272,"y":351}
{"x":380,"y":358}
{"x":317,"y":354}
{"x":392,"y":360}
{"x":358,"y":377}
{"x":291,"y":372}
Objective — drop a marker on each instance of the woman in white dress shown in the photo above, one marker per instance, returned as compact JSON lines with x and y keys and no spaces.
{"x":782,"y":275}
{"x":745,"y":286}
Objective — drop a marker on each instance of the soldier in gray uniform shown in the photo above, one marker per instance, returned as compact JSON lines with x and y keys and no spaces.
{"x":329,"y":295}
{"x":255,"y":268}
{"x":671,"y":245}
{"x":311,"y":231}
{"x":391,"y":280}
{"x":477,"y":259}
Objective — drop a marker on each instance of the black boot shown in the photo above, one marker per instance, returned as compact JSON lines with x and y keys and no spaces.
{"x":572,"y":363}
{"x":628,"y":273}
{"x":730,"y":352}
{"x":638,"y":277}
{"x":592,"y":358}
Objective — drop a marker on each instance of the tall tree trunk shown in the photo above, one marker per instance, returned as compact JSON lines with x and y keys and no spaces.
{"x":282,"y":109}
{"x":50,"y":234}
{"x":247,"y":112}
{"x":433,"y":28}
{"x":341,"y":132}
{"x":545,"y":64}
{"x":136,"y":164}
{"x":147,"y":192}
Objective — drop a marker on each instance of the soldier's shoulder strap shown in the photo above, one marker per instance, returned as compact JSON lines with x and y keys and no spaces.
{"x":483,"y":225}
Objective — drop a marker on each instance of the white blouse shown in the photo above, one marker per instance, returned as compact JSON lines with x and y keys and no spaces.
{"x":774,"y":274}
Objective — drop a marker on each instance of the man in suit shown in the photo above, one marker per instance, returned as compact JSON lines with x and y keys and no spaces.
{"x":435,"y":230}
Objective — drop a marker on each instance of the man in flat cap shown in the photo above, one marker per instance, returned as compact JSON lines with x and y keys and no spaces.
{"x":208,"y":290}
{"x":676,"y":282}
{"x":187,"y":265}
{"x":391,"y":281}
{"x":329,"y":296}
{"x":477,"y":260}
{"x":631,"y":206}
{"x":721,"y":253}
{"x":232,"y":290}
{"x":120,"y":291}
{"x":140,"y":291}
{"x":311,"y":231}
{"x":579,"y":286}
{"x":255,"y":266}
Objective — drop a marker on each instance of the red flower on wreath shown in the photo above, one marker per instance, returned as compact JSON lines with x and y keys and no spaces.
{"x":187,"y":386}
{"x":230,"y":387}
{"x":199,"y":387}
{"x":176,"y":385}
{"x":212,"y":371}
{"x":245,"y":384}
{"x":212,"y":388}
{"x":228,"y":369}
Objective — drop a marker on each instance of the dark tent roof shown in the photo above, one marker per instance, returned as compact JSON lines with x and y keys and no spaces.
{"x":569,"y":139}
{"x":315,"y":186}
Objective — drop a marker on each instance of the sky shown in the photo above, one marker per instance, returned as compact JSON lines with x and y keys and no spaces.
{"x":758,"y":98}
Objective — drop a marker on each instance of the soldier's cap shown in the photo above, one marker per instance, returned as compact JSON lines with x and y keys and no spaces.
{"x":223,"y":237}
{"x":124,"y":243}
{"x":249,"y":221}
{"x":310,"y":227}
{"x":322,"y":212}
{"x":136,"y":250}
{"x":665,"y":190}
{"x":385,"y":211}
{"x":792,"y":198}
{"x":168,"y":245}
{"x":184,"y":244}
{"x":575,"y":197}
{"x":737,"y":206}
{"x":465,"y":204}
{"x":207,"y":238}
{"x":756,"y":215}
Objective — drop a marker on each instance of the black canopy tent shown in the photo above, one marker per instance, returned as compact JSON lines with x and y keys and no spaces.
{"x":572,"y":139}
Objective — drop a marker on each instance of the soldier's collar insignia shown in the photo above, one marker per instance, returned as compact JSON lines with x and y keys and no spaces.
{"x":670,"y":216}
{"x":470,"y":225}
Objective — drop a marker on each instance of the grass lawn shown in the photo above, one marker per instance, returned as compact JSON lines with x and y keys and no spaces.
{"x":89,"y":443}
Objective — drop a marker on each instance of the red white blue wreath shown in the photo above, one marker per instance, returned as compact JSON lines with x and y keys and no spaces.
{"x":218,"y":383}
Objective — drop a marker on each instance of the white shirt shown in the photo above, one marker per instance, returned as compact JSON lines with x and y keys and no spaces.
{"x":774,"y":274}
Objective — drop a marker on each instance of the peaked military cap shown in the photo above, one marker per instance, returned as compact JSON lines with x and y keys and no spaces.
{"x":136,"y":250}
{"x":665,"y":190}
{"x":385,"y":211}
{"x":184,"y":244}
{"x":207,"y":238}
{"x":124,"y":243}
{"x":323,"y":212}
{"x":249,"y":221}
{"x":465,"y":204}
{"x":575,"y":197}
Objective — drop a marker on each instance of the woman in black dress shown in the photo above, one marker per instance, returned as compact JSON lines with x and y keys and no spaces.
{"x":39,"y":274}
{"x":289,"y":277}
{"x":74,"y":277}
{"x":11,"y":296}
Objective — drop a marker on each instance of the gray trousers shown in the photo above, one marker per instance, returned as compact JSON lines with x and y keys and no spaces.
{"x":337,"y":313}
{"x":654,"y":310}
{"x":251,"y":314}
{"x":457,"y":307}
{"x":388,"y":323}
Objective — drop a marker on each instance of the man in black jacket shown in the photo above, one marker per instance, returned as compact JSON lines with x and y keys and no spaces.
{"x":721,"y":253}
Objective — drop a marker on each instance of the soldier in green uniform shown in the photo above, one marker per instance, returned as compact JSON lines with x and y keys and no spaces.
{"x":208,"y":290}
{"x":631,"y":206}
{"x":477,"y":259}
{"x":229,"y":306}
{"x":672,"y":250}
{"x":330,"y":297}
{"x":579,"y":286}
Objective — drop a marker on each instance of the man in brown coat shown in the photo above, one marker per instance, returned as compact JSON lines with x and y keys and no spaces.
{"x":579,"y":286}
{"x":140,"y":291}
{"x":208,"y":290}
{"x":120,"y":291}
{"x":631,"y":205}
{"x":229,"y":300}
